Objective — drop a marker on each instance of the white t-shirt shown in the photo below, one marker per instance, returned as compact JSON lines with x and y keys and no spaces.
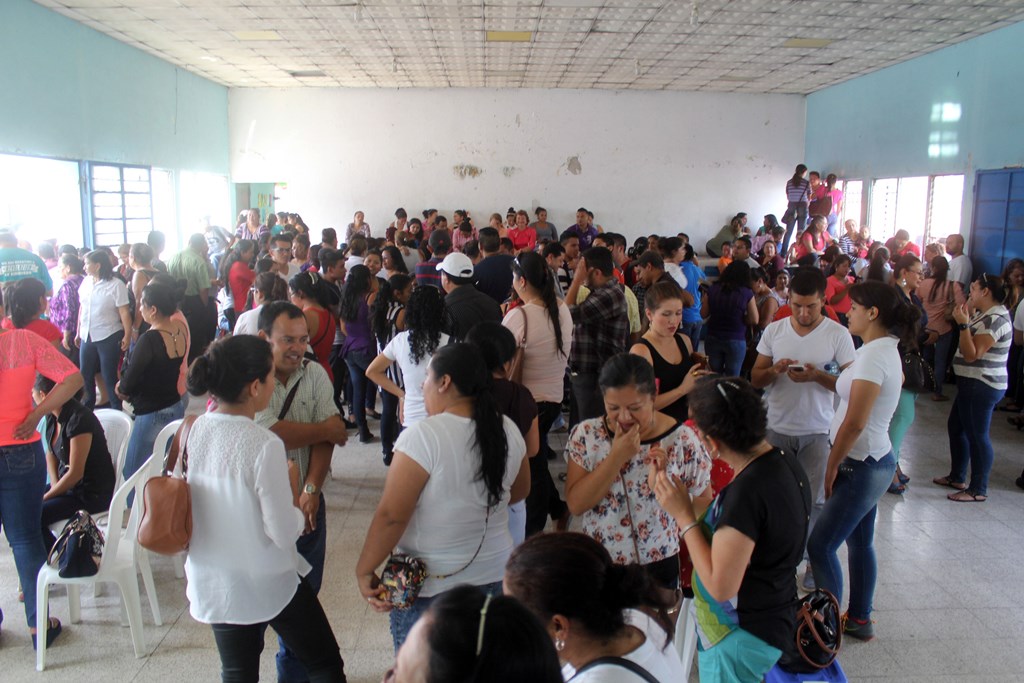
{"x":803,"y":409}
{"x":449,"y":519}
{"x":98,"y":317}
{"x":676,"y":272}
{"x":413,"y":374}
{"x":877,"y":362}
{"x":1018,"y":319}
{"x":661,"y":662}
{"x":248,"y":322}
{"x":352,"y":261}
{"x":960,"y":270}
{"x":242,"y":566}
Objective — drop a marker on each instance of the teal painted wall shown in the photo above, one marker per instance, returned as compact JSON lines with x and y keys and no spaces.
{"x":881,"y":125}
{"x":71,"y":92}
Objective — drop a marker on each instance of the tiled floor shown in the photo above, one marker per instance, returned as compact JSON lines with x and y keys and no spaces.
{"x":949,"y":604}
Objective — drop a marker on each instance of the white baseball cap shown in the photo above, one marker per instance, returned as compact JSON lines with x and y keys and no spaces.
{"x":456,"y":264}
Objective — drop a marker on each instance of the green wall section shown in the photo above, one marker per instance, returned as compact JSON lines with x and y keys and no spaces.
{"x":957,"y":110}
{"x":71,"y":92}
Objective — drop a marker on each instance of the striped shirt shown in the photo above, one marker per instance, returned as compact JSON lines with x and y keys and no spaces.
{"x":989,"y":368}
{"x":799,"y":192}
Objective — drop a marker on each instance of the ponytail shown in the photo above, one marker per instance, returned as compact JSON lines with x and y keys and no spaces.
{"x":464,"y":364}
{"x":798,"y":175}
{"x":899,"y":317}
{"x":532,"y":267}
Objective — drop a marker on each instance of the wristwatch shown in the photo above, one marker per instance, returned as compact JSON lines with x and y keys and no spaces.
{"x":311,"y":489}
{"x":961,"y":326}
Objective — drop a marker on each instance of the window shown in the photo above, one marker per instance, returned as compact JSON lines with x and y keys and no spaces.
{"x":205,"y":201}
{"x":853,"y":203}
{"x":40,"y":199}
{"x":927,"y":207}
{"x":122,"y":203}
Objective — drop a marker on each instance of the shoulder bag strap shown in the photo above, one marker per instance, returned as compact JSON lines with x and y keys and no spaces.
{"x":464,"y":567}
{"x":807,"y":508}
{"x":288,"y":400}
{"x":179,"y":444}
{"x":620,"y":662}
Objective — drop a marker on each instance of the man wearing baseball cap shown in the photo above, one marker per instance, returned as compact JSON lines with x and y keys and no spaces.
{"x":464,"y":305}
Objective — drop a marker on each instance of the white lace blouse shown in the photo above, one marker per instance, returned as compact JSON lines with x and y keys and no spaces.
{"x":242,"y":565}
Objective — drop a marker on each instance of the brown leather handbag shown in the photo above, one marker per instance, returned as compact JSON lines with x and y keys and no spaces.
{"x":166,"y":524}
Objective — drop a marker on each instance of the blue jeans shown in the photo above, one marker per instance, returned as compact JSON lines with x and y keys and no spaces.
{"x":313,"y":548}
{"x":833,"y":220}
{"x":140,"y":445}
{"x":799,"y":212}
{"x":101,"y":357}
{"x":402,"y":620}
{"x":938,"y":355}
{"x":968,"y":426}
{"x":357,"y":362}
{"x":22,"y":482}
{"x":692,"y":330}
{"x":725,"y":356}
{"x":849,"y":517}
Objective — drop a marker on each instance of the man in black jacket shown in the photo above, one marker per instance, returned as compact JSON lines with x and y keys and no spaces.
{"x":464,"y":305}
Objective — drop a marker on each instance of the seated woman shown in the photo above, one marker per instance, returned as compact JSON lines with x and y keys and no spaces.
{"x":244,"y":572}
{"x":77,"y":461}
{"x":668,"y":351}
{"x":447,"y":492}
{"x":746,"y":547}
{"x":468,"y":635}
{"x":607,"y":482}
{"x":150,"y":379}
{"x":592,"y":609}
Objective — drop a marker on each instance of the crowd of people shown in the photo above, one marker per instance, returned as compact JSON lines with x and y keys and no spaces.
{"x":707,"y":453}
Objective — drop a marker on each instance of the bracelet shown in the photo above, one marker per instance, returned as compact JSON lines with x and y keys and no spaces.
{"x":687,"y":528}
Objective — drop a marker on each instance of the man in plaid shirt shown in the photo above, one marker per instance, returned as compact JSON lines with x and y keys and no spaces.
{"x":600,"y":328}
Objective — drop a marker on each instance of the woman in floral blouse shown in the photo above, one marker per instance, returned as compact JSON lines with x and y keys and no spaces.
{"x":608,"y":484}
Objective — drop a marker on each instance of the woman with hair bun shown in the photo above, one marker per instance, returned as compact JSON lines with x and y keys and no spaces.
{"x":608,"y":484}
{"x":980,"y":367}
{"x":447,"y":492}
{"x":310,"y":292}
{"x":468,"y":635}
{"x":243,"y":570}
{"x":746,"y":547}
{"x":861,"y":463}
{"x":594,"y":609}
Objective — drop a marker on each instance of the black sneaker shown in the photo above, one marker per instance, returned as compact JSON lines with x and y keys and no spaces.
{"x":349,"y":424}
{"x":366,"y":437}
{"x":855,"y":628}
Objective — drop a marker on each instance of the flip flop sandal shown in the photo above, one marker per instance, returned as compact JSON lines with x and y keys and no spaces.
{"x":898,"y":489}
{"x":904,"y":479}
{"x":966,"y":497}
{"x":946,"y":481}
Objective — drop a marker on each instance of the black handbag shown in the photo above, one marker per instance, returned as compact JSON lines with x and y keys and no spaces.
{"x":918,"y":376}
{"x":78,"y":549}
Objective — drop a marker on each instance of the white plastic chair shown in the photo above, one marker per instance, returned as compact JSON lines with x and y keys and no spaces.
{"x":686,"y":638}
{"x":117,"y":565}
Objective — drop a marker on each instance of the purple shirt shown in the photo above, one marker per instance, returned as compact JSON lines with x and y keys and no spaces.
{"x":586,"y":235}
{"x":64,"y":305}
{"x":727,"y":311}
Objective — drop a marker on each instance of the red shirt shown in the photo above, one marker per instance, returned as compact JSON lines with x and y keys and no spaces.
{"x":525,"y":238}
{"x":22,"y":355}
{"x":786,"y":311}
{"x":44,"y":328}
{"x":240,"y":279}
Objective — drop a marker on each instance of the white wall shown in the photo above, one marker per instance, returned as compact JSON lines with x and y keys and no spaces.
{"x":649,"y":162}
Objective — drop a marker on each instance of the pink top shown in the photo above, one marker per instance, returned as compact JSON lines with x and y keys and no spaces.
{"x":44,"y":328}
{"x":22,"y":355}
{"x":184,"y":359}
{"x":543,"y":366}
{"x":835,"y":286}
{"x":936,"y":310}
{"x":460,"y":238}
{"x":525,"y":238}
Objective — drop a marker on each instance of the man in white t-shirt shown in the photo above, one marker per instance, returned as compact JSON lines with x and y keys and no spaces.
{"x":792,"y":358}
{"x":960,"y":268}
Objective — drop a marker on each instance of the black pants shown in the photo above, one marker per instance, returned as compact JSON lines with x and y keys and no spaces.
{"x":543,"y":500}
{"x":200,"y":326}
{"x":586,"y":397}
{"x":342,"y":385}
{"x":302,"y":624}
{"x":64,"y":507}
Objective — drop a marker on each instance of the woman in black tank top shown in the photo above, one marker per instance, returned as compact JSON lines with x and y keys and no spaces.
{"x":676,"y":366}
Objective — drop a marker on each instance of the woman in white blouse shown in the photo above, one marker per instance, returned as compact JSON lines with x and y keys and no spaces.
{"x":447,"y":493}
{"x":104,"y":326}
{"x":243,"y":570}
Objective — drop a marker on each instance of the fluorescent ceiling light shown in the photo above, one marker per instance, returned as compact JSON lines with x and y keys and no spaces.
{"x":256,"y":35}
{"x":509,"y":36}
{"x":308,"y":74}
{"x":807,"y":42}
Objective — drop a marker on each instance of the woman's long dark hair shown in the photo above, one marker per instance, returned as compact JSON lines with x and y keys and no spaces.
{"x":23,"y":301}
{"x":357,"y":286}
{"x":876,"y":271}
{"x":498,"y":640}
{"x":940,"y":274}
{"x":379,"y":322}
{"x":102,"y":259}
{"x":534,"y":269}
{"x":572,"y":575}
{"x":424,"y":318}
{"x":234,"y":256}
{"x":899,"y":317}
{"x":735,"y":276}
{"x":313,"y":286}
{"x":798,"y":175}
{"x":396,"y":259}
{"x":464,"y":364}
{"x":229,"y":365}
